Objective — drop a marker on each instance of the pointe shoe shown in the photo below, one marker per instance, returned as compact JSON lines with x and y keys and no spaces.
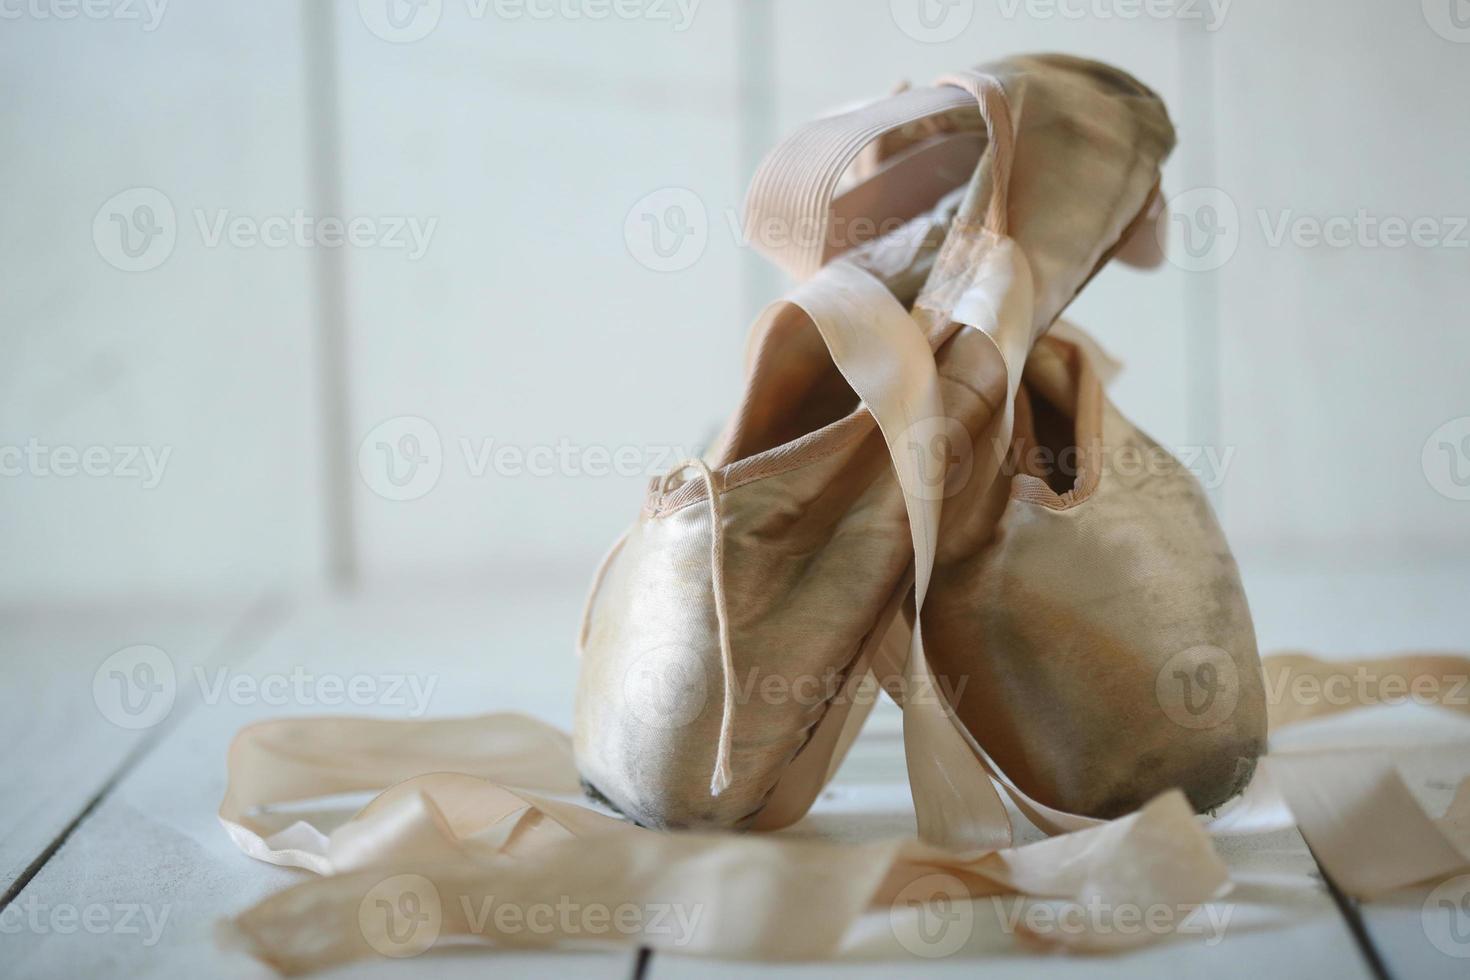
{"x":1099,"y":639}
{"x":788,"y":555}
{"x":726,"y":628}
{"x":1092,"y":709}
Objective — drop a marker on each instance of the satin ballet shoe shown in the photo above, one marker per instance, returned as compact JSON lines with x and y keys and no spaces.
{"x":782,"y":562}
{"x":1069,"y":670}
{"x":1099,"y":639}
{"x":1080,"y":128}
{"x":727,"y":628}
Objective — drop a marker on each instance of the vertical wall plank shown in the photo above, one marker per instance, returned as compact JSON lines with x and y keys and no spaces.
{"x":169,"y":341}
{"x":1341,"y":361}
{"x":523,"y":377}
{"x":324,"y":111}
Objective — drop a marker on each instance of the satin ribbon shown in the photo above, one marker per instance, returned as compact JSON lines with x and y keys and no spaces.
{"x":436,"y":852}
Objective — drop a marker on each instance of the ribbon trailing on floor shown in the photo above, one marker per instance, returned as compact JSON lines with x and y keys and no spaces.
{"x":469,"y":839}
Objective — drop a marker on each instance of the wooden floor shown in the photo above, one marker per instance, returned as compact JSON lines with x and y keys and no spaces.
{"x":112,"y":862}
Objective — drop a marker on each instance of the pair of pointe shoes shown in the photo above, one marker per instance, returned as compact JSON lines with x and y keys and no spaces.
{"x":1082,"y":619}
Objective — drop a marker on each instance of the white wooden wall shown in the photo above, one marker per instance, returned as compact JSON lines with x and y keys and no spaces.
{"x":207,"y":356}
{"x":541,"y":333}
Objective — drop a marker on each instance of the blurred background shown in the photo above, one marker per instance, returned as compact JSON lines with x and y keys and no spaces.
{"x":316,"y":295}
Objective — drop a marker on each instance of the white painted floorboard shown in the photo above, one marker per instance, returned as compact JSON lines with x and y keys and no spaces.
{"x":59,"y":744}
{"x":1375,"y":609}
{"x":155,"y":843}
